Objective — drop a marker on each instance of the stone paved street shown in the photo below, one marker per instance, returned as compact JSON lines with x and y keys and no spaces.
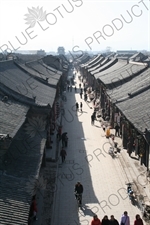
{"x":88,"y":161}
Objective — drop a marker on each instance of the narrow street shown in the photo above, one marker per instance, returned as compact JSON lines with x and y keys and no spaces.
{"x":88,"y":161}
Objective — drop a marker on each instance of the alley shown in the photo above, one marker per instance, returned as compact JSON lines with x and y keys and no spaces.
{"x":104,"y":178}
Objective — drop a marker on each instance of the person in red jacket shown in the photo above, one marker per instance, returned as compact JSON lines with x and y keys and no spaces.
{"x":95,"y":221}
{"x":138,"y":220}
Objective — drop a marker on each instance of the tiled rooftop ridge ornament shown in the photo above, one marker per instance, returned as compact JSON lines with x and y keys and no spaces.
{"x":35,"y":15}
{"x":35,"y":125}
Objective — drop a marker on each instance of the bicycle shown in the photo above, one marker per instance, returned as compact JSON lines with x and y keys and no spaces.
{"x":79,"y":199}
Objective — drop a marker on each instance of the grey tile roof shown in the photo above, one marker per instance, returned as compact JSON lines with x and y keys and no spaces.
{"x":92,"y":61}
{"x":96,"y":64}
{"x":83,"y":59}
{"x":44,"y":69}
{"x":133,"y":86}
{"x":138,"y":57}
{"x":113,"y":68}
{"x":17,"y":81}
{"x":28,"y":57}
{"x":137,"y":110}
{"x":105,"y":66}
{"x":102,"y":64}
{"x":14,"y":201}
{"x":19,"y":167}
{"x":52,"y":76}
{"x":120,"y":75}
{"x":12,"y":115}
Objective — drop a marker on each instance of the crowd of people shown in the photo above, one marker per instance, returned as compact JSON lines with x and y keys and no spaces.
{"x":125,"y":220}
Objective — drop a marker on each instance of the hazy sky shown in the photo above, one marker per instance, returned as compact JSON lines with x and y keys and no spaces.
{"x":75,"y":24}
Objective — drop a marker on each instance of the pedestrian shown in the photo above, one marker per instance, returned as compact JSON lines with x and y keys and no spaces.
{"x":63,"y":154}
{"x":79,"y":85}
{"x":68,"y":88}
{"x":92,"y":119}
{"x":138,"y":220}
{"x":81,"y":105}
{"x":117,"y":128}
{"x":81,"y":90}
{"x":85,"y":97}
{"x":105,"y":220}
{"x":96,"y":220}
{"x":66,"y":141}
{"x":34,"y":208}
{"x":81,"y":95}
{"x":63,"y":138}
{"x":75,"y":89}
{"x":125,"y":219}
{"x":77,"y":106}
{"x":104,"y":128}
{"x":94,"y":115}
{"x":59,"y":133}
{"x":113,"y":221}
{"x":71,"y":88}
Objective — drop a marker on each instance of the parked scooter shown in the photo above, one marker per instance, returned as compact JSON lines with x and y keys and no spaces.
{"x":130,"y":193}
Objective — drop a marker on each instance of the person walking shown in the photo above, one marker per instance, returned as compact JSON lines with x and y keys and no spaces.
{"x":105,"y":220}
{"x":92,"y":119}
{"x":96,"y":220}
{"x":125,"y":219}
{"x":63,"y":138}
{"x":138,"y":220}
{"x":113,"y":221}
{"x":117,"y":128}
{"x":75,"y":89}
{"x":79,"y":85}
{"x":81,"y":95}
{"x":85,"y":97}
{"x":78,"y":190}
{"x":63,"y":154}
{"x":77,"y":106}
{"x":59,"y":132}
{"x":94,"y":115}
{"x":81,"y":105}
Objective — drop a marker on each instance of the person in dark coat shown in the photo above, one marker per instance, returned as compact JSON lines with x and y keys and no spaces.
{"x":105,"y":220}
{"x":117,"y":129}
{"x":81,"y":105}
{"x":94,"y":115}
{"x":63,"y":138}
{"x":63,"y":154}
{"x":92,"y":119}
{"x":138,"y":220}
{"x":78,"y":189}
{"x":113,"y":221}
{"x":85,"y":97}
{"x":77,"y":106}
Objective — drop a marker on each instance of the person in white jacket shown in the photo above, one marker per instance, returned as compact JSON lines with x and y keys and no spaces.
{"x":125,"y":219}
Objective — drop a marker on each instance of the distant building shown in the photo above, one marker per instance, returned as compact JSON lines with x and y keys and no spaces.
{"x":126,"y":52}
{"x":41,"y":52}
{"x":61,"y":51}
